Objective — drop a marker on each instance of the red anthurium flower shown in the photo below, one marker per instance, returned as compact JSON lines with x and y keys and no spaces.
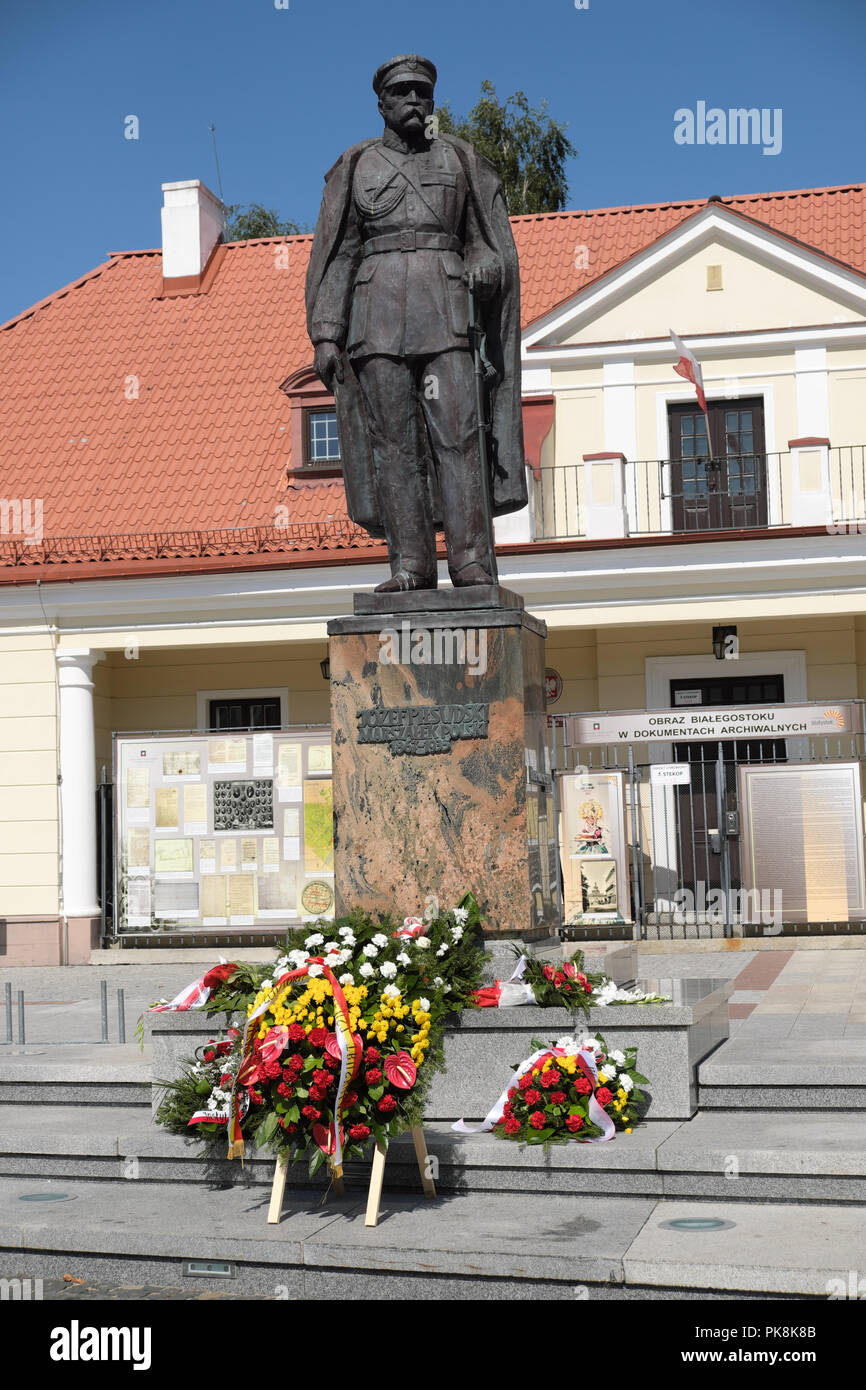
{"x":569,"y":970}
{"x":275,"y":1043}
{"x":325,"y":1138}
{"x":401,"y":1071}
{"x":332,"y":1049}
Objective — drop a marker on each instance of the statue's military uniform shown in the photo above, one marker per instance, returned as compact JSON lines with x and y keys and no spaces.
{"x":410,"y":230}
{"x":409,"y":298}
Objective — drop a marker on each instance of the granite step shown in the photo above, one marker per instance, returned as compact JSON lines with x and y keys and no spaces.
{"x":477,"y":1245}
{"x":751,"y":1072}
{"x":724,"y":1156}
{"x":88,"y":1074}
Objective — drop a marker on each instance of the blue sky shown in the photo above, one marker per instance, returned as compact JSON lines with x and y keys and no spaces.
{"x":288,"y":89}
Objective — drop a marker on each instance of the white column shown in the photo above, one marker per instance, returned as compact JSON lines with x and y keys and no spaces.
{"x":78,"y":781}
{"x":813,"y":395}
{"x":620,"y":426}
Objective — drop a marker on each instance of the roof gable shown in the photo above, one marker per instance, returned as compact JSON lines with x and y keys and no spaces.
{"x":775,"y":280}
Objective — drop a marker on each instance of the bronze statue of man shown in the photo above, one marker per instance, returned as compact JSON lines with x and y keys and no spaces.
{"x":410,"y":224}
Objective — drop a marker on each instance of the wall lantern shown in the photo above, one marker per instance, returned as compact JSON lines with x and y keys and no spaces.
{"x":725,"y":644}
{"x":325,"y":667}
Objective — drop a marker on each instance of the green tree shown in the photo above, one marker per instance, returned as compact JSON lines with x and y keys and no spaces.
{"x":526,"y":146}
{"x":255,"y":220}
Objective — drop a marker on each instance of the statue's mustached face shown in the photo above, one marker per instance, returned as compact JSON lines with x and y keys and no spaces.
{"x":406,"y":105}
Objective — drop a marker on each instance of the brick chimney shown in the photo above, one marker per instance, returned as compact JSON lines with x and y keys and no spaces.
{"x":193,"y":225}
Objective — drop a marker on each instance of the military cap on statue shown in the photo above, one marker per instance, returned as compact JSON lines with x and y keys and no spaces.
{"x":406,"y":66}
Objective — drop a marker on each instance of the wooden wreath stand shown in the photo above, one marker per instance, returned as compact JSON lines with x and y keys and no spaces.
{"x":377,"y":1174}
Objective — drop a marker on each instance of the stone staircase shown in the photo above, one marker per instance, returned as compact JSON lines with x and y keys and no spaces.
{"x":812,"y":1074}
{"x":767,"y":1180}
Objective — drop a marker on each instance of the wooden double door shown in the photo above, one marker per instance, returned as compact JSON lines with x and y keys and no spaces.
{"x":718,"y":482}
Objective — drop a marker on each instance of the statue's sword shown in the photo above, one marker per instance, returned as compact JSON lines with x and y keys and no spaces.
{"x":484,"y":373}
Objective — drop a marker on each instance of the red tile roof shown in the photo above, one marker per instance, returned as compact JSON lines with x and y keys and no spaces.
{"x":829,"y":220}
{"x":142,"y":421}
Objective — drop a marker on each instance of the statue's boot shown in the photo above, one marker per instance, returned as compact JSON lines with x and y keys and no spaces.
{"x":471,"y":574}
{"x":405,"y":579}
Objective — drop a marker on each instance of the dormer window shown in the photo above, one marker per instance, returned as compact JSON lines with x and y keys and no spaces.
{"x":321,"y":439}
{"x":313,"y":438}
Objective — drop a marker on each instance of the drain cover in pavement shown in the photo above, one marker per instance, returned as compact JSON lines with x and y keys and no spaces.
{"x":698,"y":1223}
{"x":47,"y":1197}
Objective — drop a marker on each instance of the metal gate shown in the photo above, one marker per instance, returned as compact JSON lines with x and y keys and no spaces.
{"x":685,"y":850}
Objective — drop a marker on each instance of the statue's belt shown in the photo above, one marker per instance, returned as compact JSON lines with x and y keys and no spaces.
{"x":412,"y":241}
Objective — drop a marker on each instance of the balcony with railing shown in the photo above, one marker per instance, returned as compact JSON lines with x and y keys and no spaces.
{"x":607,"y":496}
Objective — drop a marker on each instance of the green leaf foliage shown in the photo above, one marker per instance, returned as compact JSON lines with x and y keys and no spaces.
{"x":526,"y":146}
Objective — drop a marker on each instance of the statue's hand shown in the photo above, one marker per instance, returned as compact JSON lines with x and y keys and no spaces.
{"x":484,"y":278}
{"x":328,"y":363}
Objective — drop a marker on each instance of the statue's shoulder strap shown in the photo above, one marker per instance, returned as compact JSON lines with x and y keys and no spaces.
{"x":350,"y":156}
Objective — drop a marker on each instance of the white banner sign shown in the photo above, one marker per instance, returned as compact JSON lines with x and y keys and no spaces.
{"x":670,"y":772}
{"x":723,"y":722}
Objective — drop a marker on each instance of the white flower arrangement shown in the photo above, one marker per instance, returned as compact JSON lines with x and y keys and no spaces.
{"x":316,"y":970}
{"x":380,"y":940}
{"x":424,"y":1005}
{"x":218,"y":1101}
{"x":347,"y":979}
{"x":422,"y":942}
{"x":370,"y":950}
{"x":404,"y":959}
{"x":443,"y":949}
{"x":390,"y":992}
{"x":388,"y":970}
{"x":456,"y":933}
{"x":460,"y":914}
{"x":367,"y":970}
{"x":315,"y":940}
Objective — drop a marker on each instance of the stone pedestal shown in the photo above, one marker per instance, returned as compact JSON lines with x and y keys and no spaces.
{"x":441,"y":777}
{"x":483,"y":1046}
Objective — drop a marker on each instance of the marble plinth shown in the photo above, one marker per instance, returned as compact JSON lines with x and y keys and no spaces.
{"x":411,"y":823}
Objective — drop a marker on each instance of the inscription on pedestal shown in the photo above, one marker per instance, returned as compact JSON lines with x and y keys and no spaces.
{"x":420,"y":729}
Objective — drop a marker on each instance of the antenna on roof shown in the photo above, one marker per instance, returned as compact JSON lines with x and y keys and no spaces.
{"x":217,"y":158}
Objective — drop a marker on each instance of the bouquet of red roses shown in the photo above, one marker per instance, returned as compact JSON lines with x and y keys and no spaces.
{"x":564,"y":985}
{"x":572,"y":1090}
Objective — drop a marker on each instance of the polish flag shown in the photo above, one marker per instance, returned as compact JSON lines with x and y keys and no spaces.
{"x":689,"y":367}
